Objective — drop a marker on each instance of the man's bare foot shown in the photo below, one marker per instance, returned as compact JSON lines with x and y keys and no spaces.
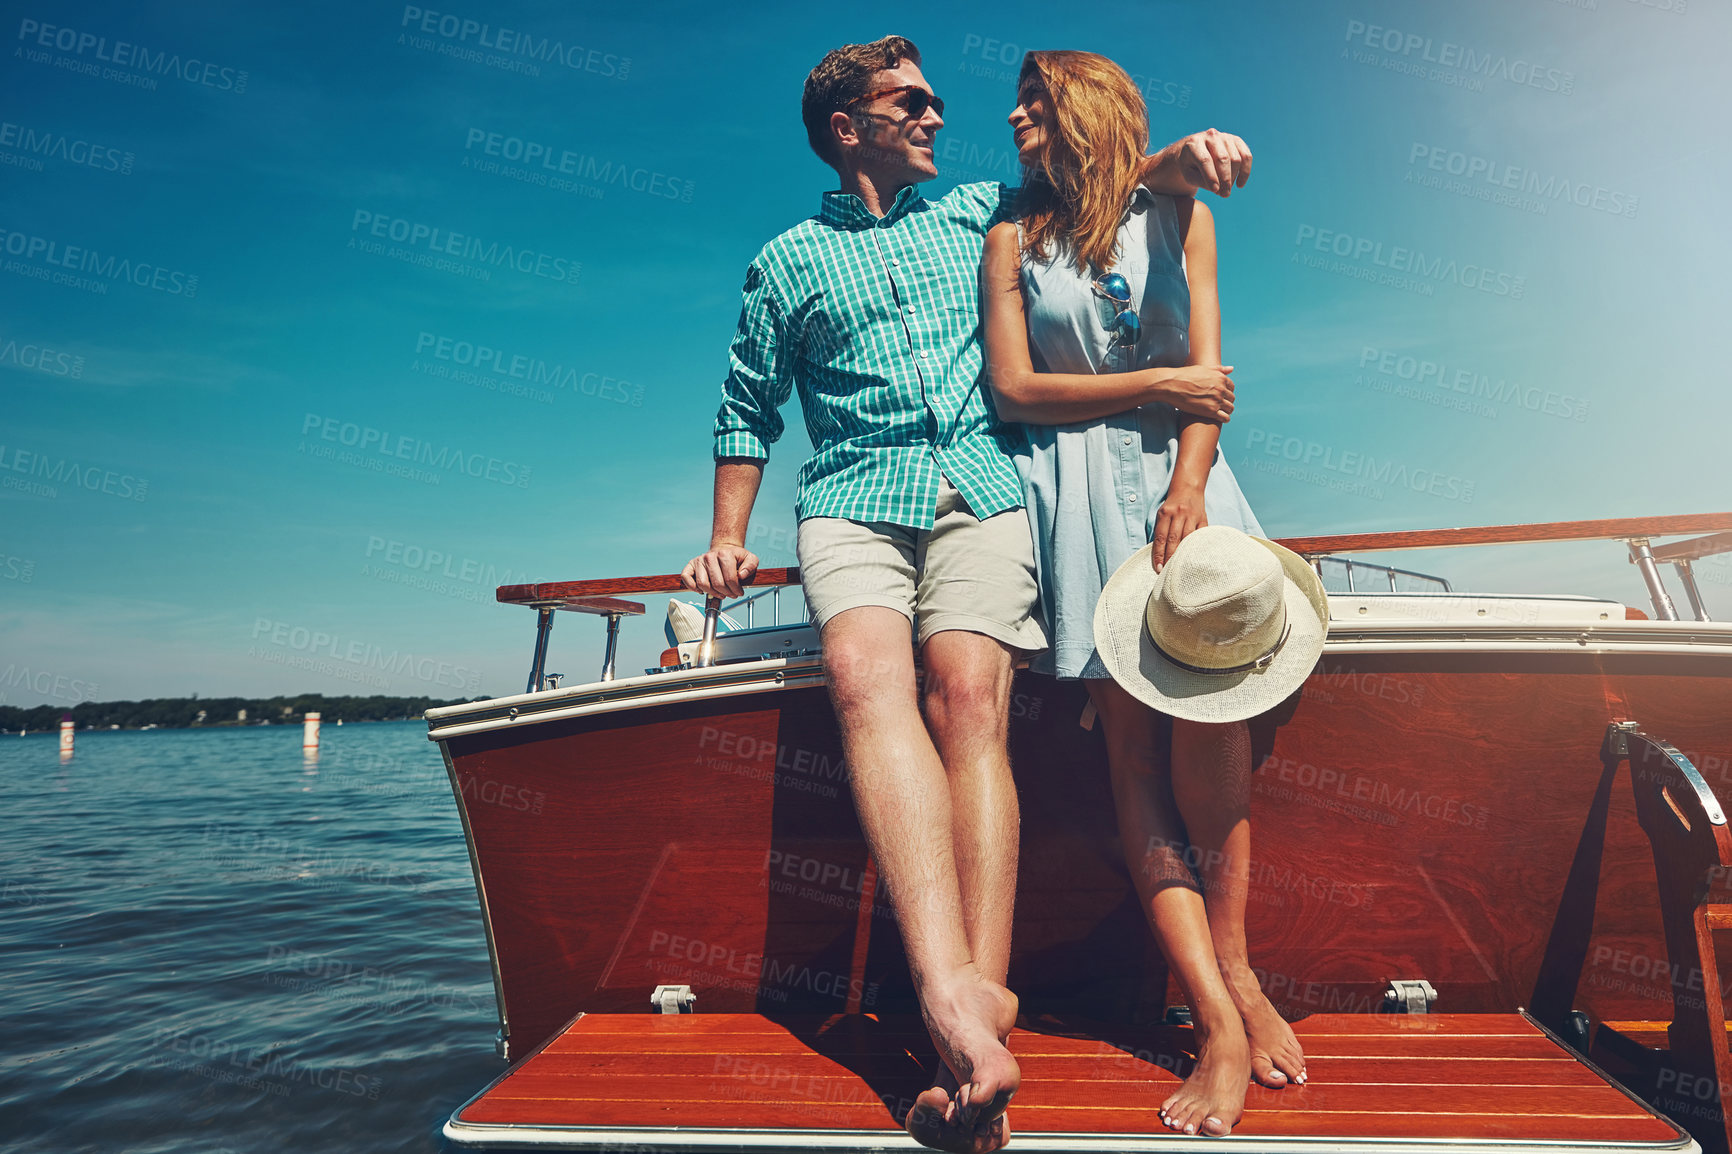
{"x":1212,"y":1100}
{"x":969,"y":1019}
{"x":932,"y":1120}
{"x":1277,"y":1059}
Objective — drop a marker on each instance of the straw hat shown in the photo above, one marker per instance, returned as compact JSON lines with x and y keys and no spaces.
{"x":1229,"y":628}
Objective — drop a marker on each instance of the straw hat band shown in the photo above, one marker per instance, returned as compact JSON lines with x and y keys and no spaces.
{"x":1258,"y":662}
{"x":1230,"y":627}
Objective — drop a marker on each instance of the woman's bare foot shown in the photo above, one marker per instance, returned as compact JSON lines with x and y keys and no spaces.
{"x":969,"y":1019}
{"x":1277,"y":1059}
{"x":1212,"y":1100}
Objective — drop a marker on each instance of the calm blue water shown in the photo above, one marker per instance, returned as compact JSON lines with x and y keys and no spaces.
{"x":210,"y":944}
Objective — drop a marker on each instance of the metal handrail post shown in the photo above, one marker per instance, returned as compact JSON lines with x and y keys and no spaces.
{"x":543,"y":630}
{"x":612,"y":645}
{"x":706,"y":654}
{"x":1687,"y":575}
{"x":1642,"y":556}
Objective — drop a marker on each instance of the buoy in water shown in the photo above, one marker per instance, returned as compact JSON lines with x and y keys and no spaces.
{"x":66,"y":728}
{"x":310,"y":732}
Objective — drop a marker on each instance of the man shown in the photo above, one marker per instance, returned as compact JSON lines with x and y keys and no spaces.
{"x":910,"y":512}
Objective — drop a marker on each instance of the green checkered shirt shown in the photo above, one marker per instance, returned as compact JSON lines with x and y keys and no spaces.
{"x":876,"y":321}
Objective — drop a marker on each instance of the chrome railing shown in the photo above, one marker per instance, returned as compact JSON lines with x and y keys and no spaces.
{"x":1388,"y":573}
{"x":714,"y":608}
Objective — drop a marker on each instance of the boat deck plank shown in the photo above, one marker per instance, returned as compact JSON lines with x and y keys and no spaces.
{"x":1444,"y":1077}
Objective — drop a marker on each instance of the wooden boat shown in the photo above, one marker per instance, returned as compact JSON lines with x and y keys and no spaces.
{"x":1489,"y":871}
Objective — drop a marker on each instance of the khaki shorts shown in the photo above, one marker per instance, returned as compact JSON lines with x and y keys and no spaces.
{"x":963,"y":573}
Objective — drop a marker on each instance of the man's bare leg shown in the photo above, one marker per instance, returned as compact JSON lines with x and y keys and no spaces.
{"x":967,"y":704}
{"x":1211,"y":783}
{"x":903,"y":798}
{"x":1212,"y":1100}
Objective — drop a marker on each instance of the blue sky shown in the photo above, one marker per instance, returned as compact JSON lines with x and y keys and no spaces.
{"x":1484,"y":246}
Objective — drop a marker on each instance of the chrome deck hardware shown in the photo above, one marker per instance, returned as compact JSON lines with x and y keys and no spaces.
{"x":674,"y":999}
{"x":1682,"y":554}
{"x":1409,"y":996}
{"x":1687,"y":578}
{"x":706,"y":654}
{"x":1389,"y":573}
{"x":713,"y":610}
{"x":1626,"y":739}
{"x":1642,"y":557}
{"x":1618,"y":736}
{"x":543,"y":631}
{"x":609,"y":607}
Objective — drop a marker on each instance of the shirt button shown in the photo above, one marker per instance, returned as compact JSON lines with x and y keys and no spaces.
{"x":894,"y":263}
{"x":1127,"y":440}
{"x":924,"y":353}
{"x":909,"y":310}
{"x":1131,"y":497}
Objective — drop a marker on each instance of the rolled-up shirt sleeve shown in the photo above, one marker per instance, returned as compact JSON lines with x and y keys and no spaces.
{"x":758,"y":382}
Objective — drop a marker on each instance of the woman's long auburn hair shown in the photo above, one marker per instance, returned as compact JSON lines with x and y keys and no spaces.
{"x":1097,"y":134}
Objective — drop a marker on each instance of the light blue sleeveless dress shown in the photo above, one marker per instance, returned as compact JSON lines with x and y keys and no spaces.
{"x":1093,"y":489}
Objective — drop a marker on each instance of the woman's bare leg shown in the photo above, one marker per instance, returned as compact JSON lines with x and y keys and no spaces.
{"x":1211,"y":784}
{"x":1212,"y":1100}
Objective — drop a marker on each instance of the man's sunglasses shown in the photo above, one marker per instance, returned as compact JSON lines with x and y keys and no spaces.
{"x":917,"y":101}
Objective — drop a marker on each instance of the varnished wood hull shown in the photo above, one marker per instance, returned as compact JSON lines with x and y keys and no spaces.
{"x":1415,"y":815}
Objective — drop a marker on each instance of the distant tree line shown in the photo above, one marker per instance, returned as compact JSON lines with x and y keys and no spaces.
{"x":195,"y":712}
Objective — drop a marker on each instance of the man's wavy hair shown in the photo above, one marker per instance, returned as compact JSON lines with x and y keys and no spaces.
{"x":840,"y":80}
{"x":1076,"y":192}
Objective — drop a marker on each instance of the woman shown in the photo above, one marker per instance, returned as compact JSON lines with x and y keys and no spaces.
{"x":1103,"y":337}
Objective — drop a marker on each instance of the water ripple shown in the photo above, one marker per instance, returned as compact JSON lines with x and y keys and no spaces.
{"x":208,"y":942}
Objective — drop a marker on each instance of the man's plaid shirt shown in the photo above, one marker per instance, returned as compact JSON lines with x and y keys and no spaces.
{"x":876,"y":321}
